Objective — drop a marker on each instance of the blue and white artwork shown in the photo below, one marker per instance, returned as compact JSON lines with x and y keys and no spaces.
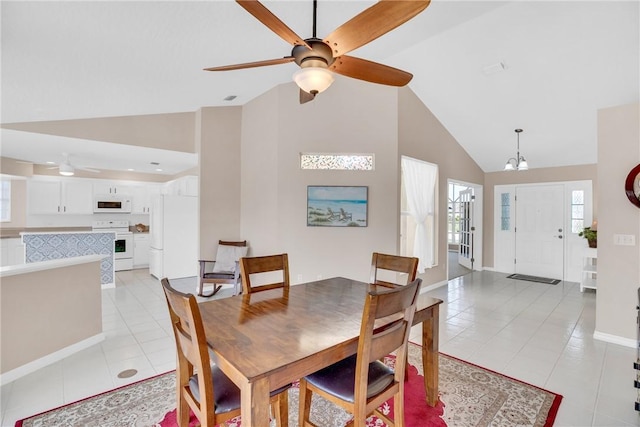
{"x":337,"y":206}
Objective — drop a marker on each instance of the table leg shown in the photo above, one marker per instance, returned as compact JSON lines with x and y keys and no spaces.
{"x":430,"y":335}
{"x":255,"y":403}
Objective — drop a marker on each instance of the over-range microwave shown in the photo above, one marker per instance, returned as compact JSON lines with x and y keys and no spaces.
{"x":112,"y":203}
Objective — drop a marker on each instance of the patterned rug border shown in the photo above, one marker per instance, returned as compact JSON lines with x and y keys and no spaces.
{"x":550,"y":419}
{"x":553,"y":411}
{"x":20,"y":422}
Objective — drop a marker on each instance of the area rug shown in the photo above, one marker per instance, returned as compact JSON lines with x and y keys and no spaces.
{"x":469,"y":396}
{"x":536,"y":279}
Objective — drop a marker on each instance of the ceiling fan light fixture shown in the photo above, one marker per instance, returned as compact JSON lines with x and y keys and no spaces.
{"x":65,"y":169}
{"x":313,"y":80}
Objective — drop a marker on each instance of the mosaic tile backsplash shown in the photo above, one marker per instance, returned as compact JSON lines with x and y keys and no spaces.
{"x":49,"y":246}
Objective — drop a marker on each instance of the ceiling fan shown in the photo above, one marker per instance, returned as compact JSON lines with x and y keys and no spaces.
{"x":318,"y":58}
{"x":65,"y":168}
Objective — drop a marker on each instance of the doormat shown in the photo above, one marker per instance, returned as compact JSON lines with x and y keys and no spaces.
{"x":533,"y":279}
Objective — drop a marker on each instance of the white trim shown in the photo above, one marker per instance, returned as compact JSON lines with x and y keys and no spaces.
{"x":49,"y":359}
{"x":615,"y":339}
{"x":433,"y":286}
{"x":30,"y":267}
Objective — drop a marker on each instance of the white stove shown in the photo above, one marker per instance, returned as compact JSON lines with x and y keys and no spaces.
{"x":123,"y":243}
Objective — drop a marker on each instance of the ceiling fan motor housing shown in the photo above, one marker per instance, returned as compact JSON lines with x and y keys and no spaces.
{"x":320,"y":54}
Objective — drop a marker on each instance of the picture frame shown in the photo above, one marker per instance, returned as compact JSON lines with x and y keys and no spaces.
{"x":337,"y":206}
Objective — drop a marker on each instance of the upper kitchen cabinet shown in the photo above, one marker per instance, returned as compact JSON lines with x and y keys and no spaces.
{"x":59,"y":197}
{"x":142,"y":195}
{"x":183,"y":186}
{"x":110,"y":187}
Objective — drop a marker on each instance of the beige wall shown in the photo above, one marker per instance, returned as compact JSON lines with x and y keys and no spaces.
{"x":46,"y":311}
{"x":618,"y":266}
{"x":217,"y":133}
{"x":423,"y":137}
{"x":558,"y":174}
{"x":352,"y":117}
{"x":172,"y":131}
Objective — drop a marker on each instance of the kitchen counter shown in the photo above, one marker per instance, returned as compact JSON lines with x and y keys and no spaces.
{"x":14,"y":233}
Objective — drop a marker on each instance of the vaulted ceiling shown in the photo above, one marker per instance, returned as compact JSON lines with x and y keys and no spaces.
{"x":483,"y":68}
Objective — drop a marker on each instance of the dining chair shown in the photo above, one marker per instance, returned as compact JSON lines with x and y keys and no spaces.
{"x":255,"y":271}
{"x":200,"y":385}
{"x":361,"y":383}
{"x":392,"y":265}
{"x":225,"y":270}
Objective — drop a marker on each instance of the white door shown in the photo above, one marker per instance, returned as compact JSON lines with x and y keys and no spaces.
{"x":465,"y":251}
{"x":540,"y":231}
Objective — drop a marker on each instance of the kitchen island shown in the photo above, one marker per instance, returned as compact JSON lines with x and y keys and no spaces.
{"x":45,"y":246}
{"x":48,"y":310}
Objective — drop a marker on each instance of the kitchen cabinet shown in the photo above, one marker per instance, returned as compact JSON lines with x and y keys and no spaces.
{"x":59,"y":197}
{"x":109,"y":187}
{"x":141,"y":250}
{"x":11,"y":252}
{"x":183,"y":186}
{"x":142,"y":195}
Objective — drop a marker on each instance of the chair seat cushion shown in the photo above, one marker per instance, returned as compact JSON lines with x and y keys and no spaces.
{"x":339,"y":378}
{"x":226,"y":393}
{"x":219,"y":275}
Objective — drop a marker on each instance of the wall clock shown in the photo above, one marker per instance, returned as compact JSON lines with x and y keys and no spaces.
{"x":632,"y":186}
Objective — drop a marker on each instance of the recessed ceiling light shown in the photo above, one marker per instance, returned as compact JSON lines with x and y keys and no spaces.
{"x":130,"y":170}
{"x":155,"y":163}
{"x":51,"y":163}
{"x":158,"y":170}
{"x":230,"y":97}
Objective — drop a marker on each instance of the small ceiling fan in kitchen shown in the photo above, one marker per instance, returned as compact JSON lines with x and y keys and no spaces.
{"x":319,"y":58}
{"x":66,"y":168}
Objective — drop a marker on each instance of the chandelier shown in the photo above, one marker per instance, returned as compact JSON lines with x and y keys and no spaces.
{"x":518,"y":162}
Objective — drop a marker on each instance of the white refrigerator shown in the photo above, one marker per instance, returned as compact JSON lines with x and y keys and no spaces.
{"x":173,"y":227}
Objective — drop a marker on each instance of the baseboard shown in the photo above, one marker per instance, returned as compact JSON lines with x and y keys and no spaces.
{"x":615,"y":339}
{"x":49,"y":359}
{"x":424,"y":289}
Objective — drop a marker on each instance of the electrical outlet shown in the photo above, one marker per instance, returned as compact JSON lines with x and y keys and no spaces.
{"x":299,"y":278}
{"x":319,"y":277}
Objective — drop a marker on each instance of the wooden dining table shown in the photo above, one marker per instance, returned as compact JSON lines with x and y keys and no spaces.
{"x":265,"y":340}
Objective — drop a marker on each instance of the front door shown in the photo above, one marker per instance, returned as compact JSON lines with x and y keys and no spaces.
{"x":465,"y":251}
{"x":539,"y":231}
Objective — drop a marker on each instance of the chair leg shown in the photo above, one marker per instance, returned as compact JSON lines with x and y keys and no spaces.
{"x":215,"y":290}
{"x":280,"y":409}
{"x":304,"y":404}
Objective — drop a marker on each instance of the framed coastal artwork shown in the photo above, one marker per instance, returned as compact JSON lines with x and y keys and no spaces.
{"x":337,"y":206}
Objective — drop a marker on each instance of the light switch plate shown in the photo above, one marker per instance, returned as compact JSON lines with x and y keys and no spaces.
{"x":624,"y":239}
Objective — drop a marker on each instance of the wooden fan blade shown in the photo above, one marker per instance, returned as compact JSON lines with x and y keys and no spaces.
{"x":264,"y":15}
{"x":306,"y":97}
{"x":372,"y":23}
{"x":253,"y":64}
{"x":369,"y":71}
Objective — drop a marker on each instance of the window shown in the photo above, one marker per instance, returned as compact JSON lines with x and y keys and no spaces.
{"x":577,"y":211}
{"x":505,"y":212}
{"x":418,"y":222}
{"x":5,"y":201}
{"x":333,"y":161}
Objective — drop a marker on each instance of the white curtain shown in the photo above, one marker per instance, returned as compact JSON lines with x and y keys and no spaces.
{"x":420,"y":187}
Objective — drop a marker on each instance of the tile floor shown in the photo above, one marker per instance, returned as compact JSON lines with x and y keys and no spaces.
{"x":538,"y":333}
